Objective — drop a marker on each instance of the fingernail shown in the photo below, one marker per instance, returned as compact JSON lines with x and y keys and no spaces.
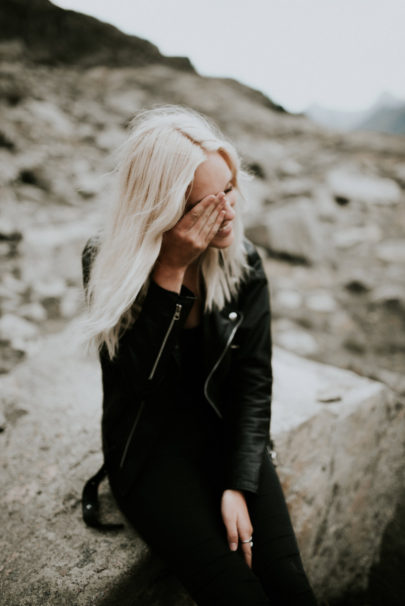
{"x":234,"y":546}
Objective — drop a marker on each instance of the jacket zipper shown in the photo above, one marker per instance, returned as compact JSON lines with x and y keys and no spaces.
{"x":228,"y":343}
{"x":175,"y":317}
{"x":138,"y":416}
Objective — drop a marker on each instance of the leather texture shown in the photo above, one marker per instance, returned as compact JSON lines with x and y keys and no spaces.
{"x":237,"y":343}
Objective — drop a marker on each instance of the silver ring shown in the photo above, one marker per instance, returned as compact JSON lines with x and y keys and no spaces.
{"x":248,"y":541}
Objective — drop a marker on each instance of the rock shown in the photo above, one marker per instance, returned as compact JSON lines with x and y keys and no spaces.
{"x":321,"y":301}
{"x":325,"y":205}
{"x":392,"y":251}
{"x":349,"y":184}
{"x":33,"y":172}
{"x":16,"y":329}
{"x":52,"y":253}
{"x":389,"y":295}
{"x":56,"y":558}
{"x":3,"y":421}
{"x":110,"y":138}
{"x":52,"y":288}
{"x":348,"y":237}
{"x":359,"y":282}
{"x":290,"y":188}
{"x":70,"y":302}
{"x":290,"y":230}
{"x":51,"y":117}
{"x":290,"y":167}
{"x":11,"y":286}
{"x":8,"y":168}
{"x":33,"y":311}
{"x":298,"y":341}
{"x":258,"y":195}
{"x":341,"y":466}
{"x":89,"y":185}
{"x":9,"y":357}
{"x":8,"y":231}
{"x":340,"y":509}
{"x":4,"y":249}
{"x":288,"y":299}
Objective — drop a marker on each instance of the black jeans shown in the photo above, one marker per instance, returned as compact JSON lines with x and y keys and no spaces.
{"x":175,"y":507}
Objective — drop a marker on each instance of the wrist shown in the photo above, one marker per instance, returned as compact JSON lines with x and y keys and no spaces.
{"x":168,"y":277}
{"x":232,"y":491}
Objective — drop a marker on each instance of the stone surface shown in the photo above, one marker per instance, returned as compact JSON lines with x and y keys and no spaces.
{"x":341,"y":440}
{"x":345,"y":182}
{"x":17,"y":330}
{"x":340,"y":465}
{"x":291,"y":230}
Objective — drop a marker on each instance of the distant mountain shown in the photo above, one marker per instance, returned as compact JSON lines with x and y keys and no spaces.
{"x":385,"y":119}
{"x":333,"y":118}
{"x":386,"y":115}
{"x":55,"y":36}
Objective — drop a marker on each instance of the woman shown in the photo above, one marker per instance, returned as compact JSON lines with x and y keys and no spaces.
{"x":178,"y":305}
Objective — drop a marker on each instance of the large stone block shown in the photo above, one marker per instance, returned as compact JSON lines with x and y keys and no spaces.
{"x":341,"y":444}
{"x":340,"y":440}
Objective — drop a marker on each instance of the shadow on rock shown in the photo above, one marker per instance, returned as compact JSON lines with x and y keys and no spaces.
{"x":149,"y":583}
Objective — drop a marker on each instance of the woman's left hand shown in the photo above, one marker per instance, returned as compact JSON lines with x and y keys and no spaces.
{"x":236,"y":518}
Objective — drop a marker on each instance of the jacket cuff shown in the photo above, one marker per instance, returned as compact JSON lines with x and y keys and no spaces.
{"x":242,"y":484}
{"x":242,"y":487}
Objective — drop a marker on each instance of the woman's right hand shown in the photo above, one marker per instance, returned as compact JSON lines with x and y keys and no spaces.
{"x":190,"y":237}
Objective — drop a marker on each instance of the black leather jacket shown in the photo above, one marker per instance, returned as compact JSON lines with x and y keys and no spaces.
{"x":237,"y":368}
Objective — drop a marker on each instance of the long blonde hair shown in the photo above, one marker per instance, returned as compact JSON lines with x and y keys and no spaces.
{"x":157,"y":166}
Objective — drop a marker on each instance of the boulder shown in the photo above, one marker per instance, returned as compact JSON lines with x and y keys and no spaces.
{"x":347,"y":183}
{"x":17,"y":330}
{"x":340,"y":440}
{"x":295,"y":339}
{"x":291,"y":230}
{"x":391,"y":251}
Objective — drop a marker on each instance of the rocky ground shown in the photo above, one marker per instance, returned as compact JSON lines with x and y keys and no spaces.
{"x":327,"y":208}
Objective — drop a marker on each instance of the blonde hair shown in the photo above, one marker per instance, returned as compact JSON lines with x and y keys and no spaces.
{"x":155,"y":172}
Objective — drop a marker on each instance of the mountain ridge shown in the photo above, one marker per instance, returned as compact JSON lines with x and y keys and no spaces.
{"x":55,"y":36}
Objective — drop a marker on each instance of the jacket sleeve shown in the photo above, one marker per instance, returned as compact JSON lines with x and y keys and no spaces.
{"x":144,"y":348}
{"x":248,"y":425}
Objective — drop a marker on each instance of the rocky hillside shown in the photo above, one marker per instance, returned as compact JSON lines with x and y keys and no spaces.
{"x":327,"y":208}
{"x":54,"y":36}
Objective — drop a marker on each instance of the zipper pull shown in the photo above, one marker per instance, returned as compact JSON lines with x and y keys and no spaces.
{"x":177,"y":311}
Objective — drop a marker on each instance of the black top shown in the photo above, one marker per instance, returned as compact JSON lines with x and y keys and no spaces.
{"x":190,"y":422}
{"x":191,"y":354}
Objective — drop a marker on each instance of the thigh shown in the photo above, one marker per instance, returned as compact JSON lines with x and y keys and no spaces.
{"x":175,"y":507}
{"x":275,"y":556}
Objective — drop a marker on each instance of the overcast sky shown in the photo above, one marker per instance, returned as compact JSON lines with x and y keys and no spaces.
{"x":341,"y":54}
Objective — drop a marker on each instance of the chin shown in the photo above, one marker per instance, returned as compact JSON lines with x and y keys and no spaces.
{"x":218,"y":242}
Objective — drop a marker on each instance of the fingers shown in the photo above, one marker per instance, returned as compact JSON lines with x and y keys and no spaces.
{"x":245,"y":531}
{"x":232,"y":533}
{"x":203,"y":221}
{"x":237,"y":522}
{"x":240,"y":532}
{"x":200,"y":211}
{"x":247,"y":551}
{"x":213,"y":223}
